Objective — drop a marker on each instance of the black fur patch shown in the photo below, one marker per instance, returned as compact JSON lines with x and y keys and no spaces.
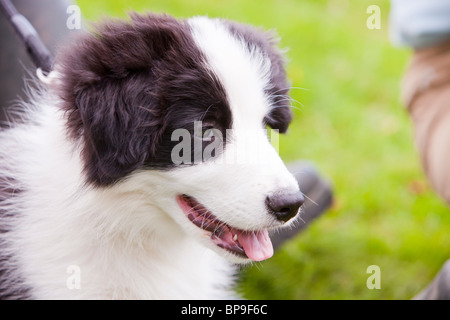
{"x":127,"y":86}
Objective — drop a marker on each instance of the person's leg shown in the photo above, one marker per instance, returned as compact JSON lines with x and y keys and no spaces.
{"x":426,"y":93}
{"x":439,"y":288}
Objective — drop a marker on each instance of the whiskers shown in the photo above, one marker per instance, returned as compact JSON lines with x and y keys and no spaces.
{"x":281,"y":95}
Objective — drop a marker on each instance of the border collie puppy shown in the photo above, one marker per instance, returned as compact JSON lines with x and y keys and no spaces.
{"x":93,"y":204}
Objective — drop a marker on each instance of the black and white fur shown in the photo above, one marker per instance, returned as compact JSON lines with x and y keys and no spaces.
{"x":86,"y":177}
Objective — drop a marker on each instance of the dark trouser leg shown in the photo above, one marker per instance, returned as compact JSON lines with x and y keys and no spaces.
{"x":49,"y":19}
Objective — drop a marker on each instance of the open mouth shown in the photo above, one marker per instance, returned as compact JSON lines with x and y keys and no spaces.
{"x":254,"y":245}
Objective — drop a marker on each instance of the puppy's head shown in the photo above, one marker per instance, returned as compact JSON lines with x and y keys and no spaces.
{"x":178,"y":108}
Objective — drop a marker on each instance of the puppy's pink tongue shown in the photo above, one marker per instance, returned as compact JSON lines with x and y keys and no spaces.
{"x":257,"y":244}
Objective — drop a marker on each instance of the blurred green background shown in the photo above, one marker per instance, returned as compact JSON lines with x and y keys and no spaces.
{"x":350,"y":122}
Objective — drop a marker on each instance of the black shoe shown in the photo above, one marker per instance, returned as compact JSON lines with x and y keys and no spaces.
{"x":318,"y":198}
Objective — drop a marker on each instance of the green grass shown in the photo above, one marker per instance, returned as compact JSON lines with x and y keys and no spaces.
{"x":349,"y":121}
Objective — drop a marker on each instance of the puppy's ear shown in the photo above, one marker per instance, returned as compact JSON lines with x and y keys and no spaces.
{"x":108,"y":82}
{"x":278,"y":87}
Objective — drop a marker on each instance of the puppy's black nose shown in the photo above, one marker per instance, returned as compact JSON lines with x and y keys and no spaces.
{"x":284,"y":206}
